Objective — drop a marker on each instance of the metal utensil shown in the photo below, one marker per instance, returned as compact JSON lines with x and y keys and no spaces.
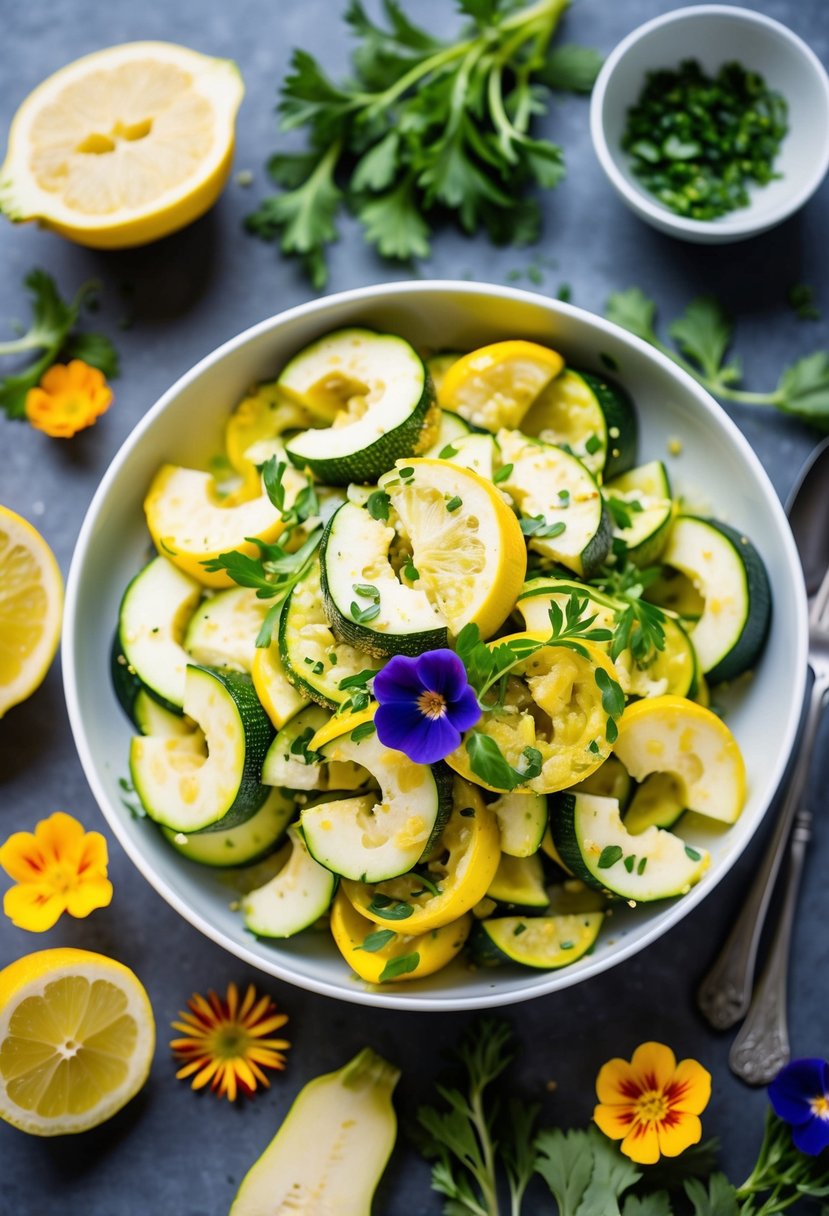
{"x":725,"y":993}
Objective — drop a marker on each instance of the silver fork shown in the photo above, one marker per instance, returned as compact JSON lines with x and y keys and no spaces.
{"x":725,"y":994}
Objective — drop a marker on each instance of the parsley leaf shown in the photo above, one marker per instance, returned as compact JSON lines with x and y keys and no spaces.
{"x":422,"y":126}
{"x":719,"y":1198}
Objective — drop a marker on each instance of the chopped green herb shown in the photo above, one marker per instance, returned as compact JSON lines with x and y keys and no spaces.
{"x":407,"y":472}
{"x":411,"y":572}
{"x":593,"y":746}
{"x":564,"y":293}
{"x":640,"y":869}
{"x":448,"y":452}
{"x":367,"y":591}
{"x":390,"y":909}
{"x":377,"y":505}
{"x":401,"y":965}
{"x":454,"y":503}
{"x":592,"y":444}
{"x":362,"y":731}
{"x":564,"y":496}
{"x":363,"y":615}
{"x":377,"y":940}
{"x":519,"y":929}
{"x":359,"y":680}
{"x":537,"y":526}
{"x":692,"y":853}
{"x":502,"y":474}
{"x":608,"y":361}
{"x":610,"y":854}
{"x":565,"y":945}
{"x":629,"y":862}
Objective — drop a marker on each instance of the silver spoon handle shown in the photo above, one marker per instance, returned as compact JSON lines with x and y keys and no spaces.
{"x":725,"y":992}
{"x":762,"y":1047}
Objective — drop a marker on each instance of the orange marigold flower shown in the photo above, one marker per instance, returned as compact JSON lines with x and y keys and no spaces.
{"x":226,"y":1043}
{"x":652,"y":1104}
{"x":70,"y":397}
{"x":58,"y":868}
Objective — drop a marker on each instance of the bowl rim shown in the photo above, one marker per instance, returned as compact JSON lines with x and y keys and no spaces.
{"x":363,"y":994}
{"x":639,"y":199}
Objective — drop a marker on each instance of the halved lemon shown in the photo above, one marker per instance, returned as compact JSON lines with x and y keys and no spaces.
{"x":77,"y":1036}
{"x":494,"y":386}
{"x":31,"y":605}
{"x":466,"y":543}
{"x":123,"y":146}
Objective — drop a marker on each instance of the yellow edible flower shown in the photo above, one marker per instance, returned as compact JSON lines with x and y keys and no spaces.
{"x":651,"y":1103}
{"x":58,"y":868}
{"x":70,"y":397}
{"x":226,"y":1044}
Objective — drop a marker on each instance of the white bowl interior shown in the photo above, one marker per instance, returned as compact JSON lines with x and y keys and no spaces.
{"x":716,"y":469}
{"x":715,"y":35}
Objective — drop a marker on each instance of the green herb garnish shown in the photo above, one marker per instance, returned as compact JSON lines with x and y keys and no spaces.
{"x":401,"y":965}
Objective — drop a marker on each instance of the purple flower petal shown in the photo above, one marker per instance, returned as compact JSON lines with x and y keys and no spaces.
{"x":465,"y":711}
{"x":398,"y":681}
{"x":443,"y":672}
{"x":812,"y":1137}
{"x":406,"y":729}
{"x":792,"y":1090}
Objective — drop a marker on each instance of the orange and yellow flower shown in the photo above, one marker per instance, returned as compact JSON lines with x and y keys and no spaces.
{"x":226,"y":1044}
{"x":58,"y":868}
{"x":651,"y":1103}
{"x":70,"y":397}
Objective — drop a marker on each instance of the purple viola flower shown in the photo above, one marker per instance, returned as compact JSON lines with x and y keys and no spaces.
{"x":799,"y":1095}
{"x":425,"y":705}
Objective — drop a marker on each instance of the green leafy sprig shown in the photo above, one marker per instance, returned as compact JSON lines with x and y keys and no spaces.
{"x":625,"y":581}
{"x":702,"y":337}
{"x":422,"y":127}
{"x":52,"y":334}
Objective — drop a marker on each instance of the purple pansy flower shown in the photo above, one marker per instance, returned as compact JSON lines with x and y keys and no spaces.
{"x":799,"y":1095}
{"x":425,"y":705}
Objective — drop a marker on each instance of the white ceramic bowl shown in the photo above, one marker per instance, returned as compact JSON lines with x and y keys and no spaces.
{"x":714,"y":34}
{"x":185,"y":426}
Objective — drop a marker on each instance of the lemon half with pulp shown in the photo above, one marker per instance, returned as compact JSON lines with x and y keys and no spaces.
{"x":31,"y":606}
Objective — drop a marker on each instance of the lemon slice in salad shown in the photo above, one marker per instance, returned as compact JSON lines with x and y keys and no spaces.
{"x":123,"y":146}
{"x":494,"y":386}
{"x":77,"y":1036}
{"x":467,"y":547}
{"x":31,"y":603}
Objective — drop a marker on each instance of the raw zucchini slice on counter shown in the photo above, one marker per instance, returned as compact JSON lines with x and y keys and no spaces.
{"x":378,"y":395}
{"x":223,"y":629}
{"x":522,"y":820}
{"x":543,"y":942}
{"x":729,"y":574}
{"x":293,"y":899}
{"x":314,"y":660}
{"x":642,"y":510}
{"x":152,"y":619}
{"x":185,"y":789}
{"x":372,"y":837}
{"x":563,"y":515}
{"x":519,"y":883}
{"x":494,"y":386}
{"x":597,"y":848}
{"x":382,"y":956}
{"x":590,"y":416}
{"x":192,"y":526}
{"x":293,"y":764}
{"x":676,"y":736}
{"x":242,"y":845}
{"x":449,"y":883}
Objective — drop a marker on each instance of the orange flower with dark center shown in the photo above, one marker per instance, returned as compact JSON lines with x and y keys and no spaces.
{"x":226,"y":1043}
{"x":58,"y":868}
{"x":70,"y":397}
{"x":652,"y":1104}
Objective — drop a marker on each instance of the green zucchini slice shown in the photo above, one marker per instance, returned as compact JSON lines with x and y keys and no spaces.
{"x":660,"y":801}
{"x":151,"y":718}
{"x":590,"y":416}
{"x":376,"y":390}
{"x":543,"y":942}
{"x":561,"y":507}
{"x":519,"y":882}
{"x":242,"y":845}
{"x":478,"y":452}
{"x":729,"y":574}
{"x":154,"y":612}
{"x":291,"y":762}
{"x":295,"y":898}
{"x":595,"y":845}
{"x":223,"y":629}
{"x":452,"y":426}
{"x":185,"y":789}
{"x":522,"y":820}
{"x":642,"y":509}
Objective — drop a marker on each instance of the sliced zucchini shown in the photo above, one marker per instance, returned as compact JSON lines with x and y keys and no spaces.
{"x":181,"y":787}
{"x":263,"y":414}
{"x":369,"y":606}
{"x":593,"y":841}
{"x":438,"y":366}
{"x":372,"y":837}
{"x":452,"y":426}
{"x":729,"y":574}
{"x":151,"y":621}
{"x":538,"y":594}
{"x":153,"y":719}
{"x":522,"y":820}
{"x":125,"y":683}
{"x":674,"y":735}
{"x":590,"y":416}
{"x":676,"y":592}
{"x":223,"y":629}
{"x":379,"y":396}
{"x":462,"y":863}
{"x":402,"y":956}
{"x":314,"y":660}
{"x":293,"y":764}
{"x":642,"y":509}
{"x":277,"y":695}
{"x":610,"y":780}
{"x":572,"y":896}
{"x":477,"y":452}
{"x":242,"y":845}
{"x":562,"y":511}
{"x":519,"y":882}
{"x":293,"y":899}
{"x":543,"y":942}
{"x":659,"y":800}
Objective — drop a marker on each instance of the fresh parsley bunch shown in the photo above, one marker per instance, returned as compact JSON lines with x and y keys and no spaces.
{"x":702,"y":337}
{"x":52,"y":335}
{"x":423,"y":127}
